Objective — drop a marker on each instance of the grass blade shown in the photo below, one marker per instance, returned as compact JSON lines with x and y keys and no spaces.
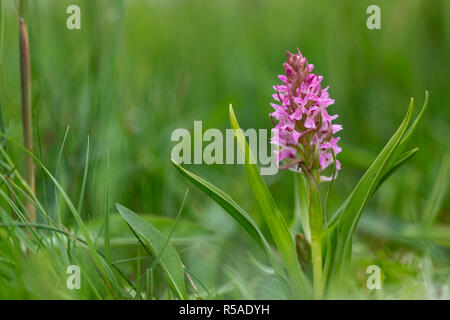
{"x":438,"y":192}
{"x":105,"y":272}
{"x":107,"y":234}
{"x":83,"y":184}
{"x":226,"y":202}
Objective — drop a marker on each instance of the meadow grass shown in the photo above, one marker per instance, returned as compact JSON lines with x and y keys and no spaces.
{"x":107,"y":97}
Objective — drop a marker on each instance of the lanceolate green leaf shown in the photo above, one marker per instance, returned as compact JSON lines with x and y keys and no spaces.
{"x":272,"y":216}
{"x":226,"y":202}
{"x":238,"y":214}
{"x":396,"y":160}
{"x":169,"y":258}
{"x":358,"y":199}
{"x":407,"y":136}
{"x":394,"y":167}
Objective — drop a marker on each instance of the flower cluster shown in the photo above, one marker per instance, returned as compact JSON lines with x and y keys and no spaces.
{"x":304,"y":132}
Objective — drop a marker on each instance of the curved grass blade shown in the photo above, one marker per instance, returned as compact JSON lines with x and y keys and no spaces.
{"x":156,"y":261}
{"x":83,"y":184}
{"x":437,"y":196}
{"x":70,"y":237}
{"x":169,"y":258}
{"x":58,"y":211}
{"x":105,"y":271}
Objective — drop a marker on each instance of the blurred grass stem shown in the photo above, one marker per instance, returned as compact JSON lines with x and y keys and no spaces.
{"x":25,"y":85}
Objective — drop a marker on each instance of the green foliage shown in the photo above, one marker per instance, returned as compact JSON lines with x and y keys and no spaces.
{"x":272,"y":216}
{"x":338,"y":252}
{"x":128,"y":78}
{"x":160,"y":247}
{"x":238,"y":214}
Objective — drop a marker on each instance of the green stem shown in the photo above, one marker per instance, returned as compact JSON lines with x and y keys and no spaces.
{"x":316,"y":252}
{"x":316,"y":225}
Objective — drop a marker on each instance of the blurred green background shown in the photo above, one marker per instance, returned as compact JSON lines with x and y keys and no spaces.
{"x":139,"y":69}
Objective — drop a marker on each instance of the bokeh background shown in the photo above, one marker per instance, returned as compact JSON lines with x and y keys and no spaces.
{"x":139,"y":69}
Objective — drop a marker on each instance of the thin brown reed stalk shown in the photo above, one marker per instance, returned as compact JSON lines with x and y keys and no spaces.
{"x":25,"y":83}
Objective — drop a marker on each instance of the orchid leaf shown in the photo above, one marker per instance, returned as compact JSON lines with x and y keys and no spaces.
{"x":396,"y":161}
{"x":272,"y":216}
{"x":237,"y":213}
{"x":358,"y":199}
